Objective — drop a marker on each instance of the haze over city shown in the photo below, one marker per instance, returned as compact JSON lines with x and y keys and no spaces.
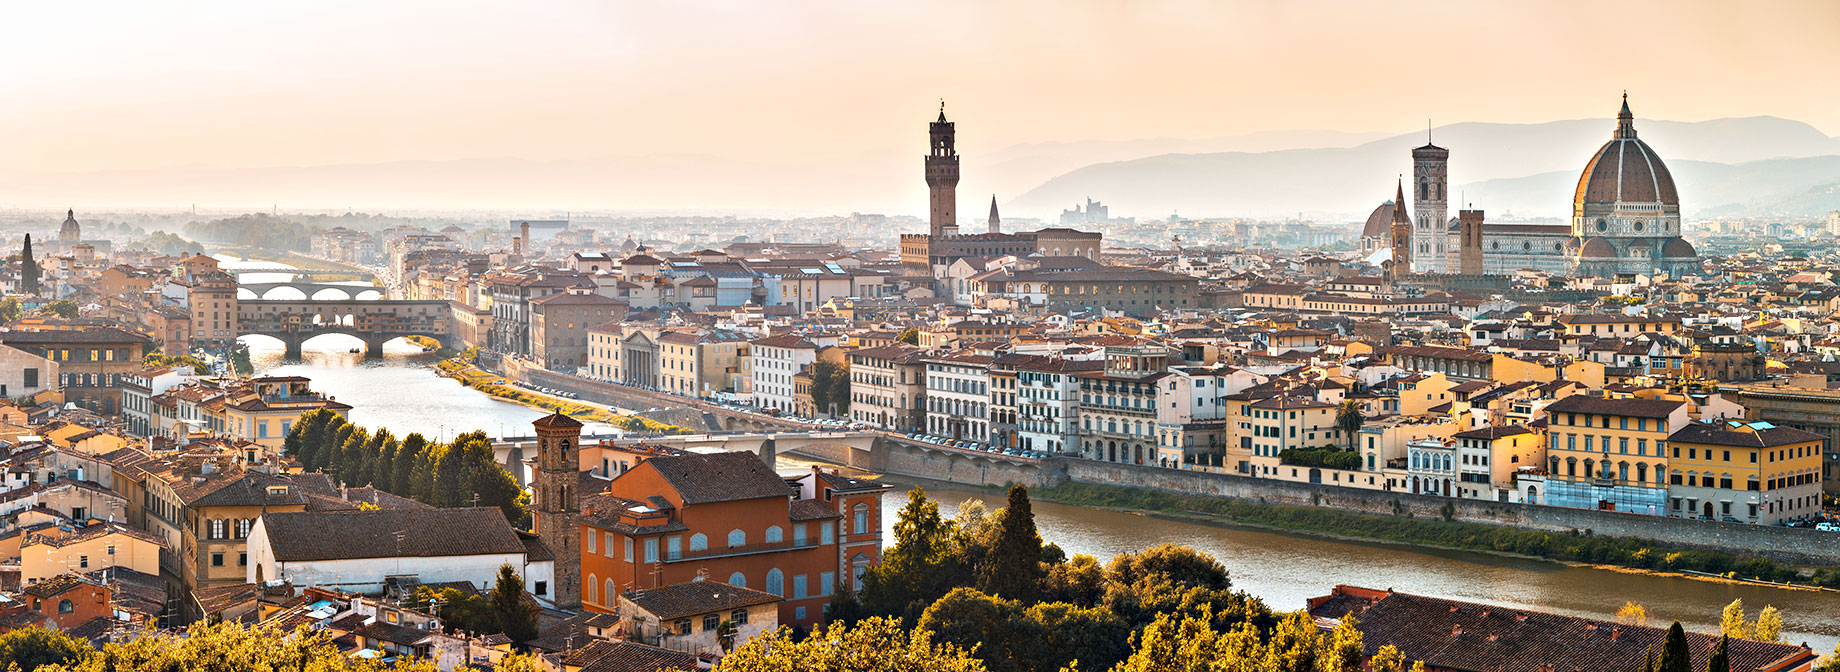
{"x":994,"y":336}
{"x":801,"y":108}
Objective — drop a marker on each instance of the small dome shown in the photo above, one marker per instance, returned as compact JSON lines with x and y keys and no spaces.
{"x":1678,"y":248}
{"x":1597,"y":247}
{"x":1379,"y":224}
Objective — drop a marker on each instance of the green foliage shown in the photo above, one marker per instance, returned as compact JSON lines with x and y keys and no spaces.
{"x":1769,"y":625}
{"x":1171,"y":579}
{"x":169,"y":244}
{"x":255,"y":230}
{"x":910,"y":336}
{"x":1193,"y":642}
{"x":921,"y":566}
{"x":1013,"y":567}
{"x":28,"y":268}
{"x":444,"y":475}
{"x":1323,"y":458}
{"x":873,"y":645}
{"x":1349,"y":418}
{"x":10,"y":309}
{"x":1674,"y":654}
{"x":210,"y":647}
{"x":514,"y":617}
{"x":239,"y":360}
{"x":830,"y":387}
{"x":1731,"y":620}
{"x":36,"y":647}
{"x":1720,"y":660}
{"x":156,"y":358}
{"x":1624,"y":551}
{"x":459,"y":611}
{"x":64,"y":308}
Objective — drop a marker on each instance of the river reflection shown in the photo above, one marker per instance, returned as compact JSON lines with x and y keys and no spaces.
{"x":1285,"y":570}
{"x":399,"y":391}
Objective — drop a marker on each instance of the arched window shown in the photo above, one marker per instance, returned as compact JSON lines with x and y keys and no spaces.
{"x":612,"y":597}
{"x":776,"y":582}
{"x":737,"y":538}
{"x":699,"y":542}
{"x":737,"y":580}
{"x":775,"y":535}
{"x":861,"y":514}
{"x":592,"y":584}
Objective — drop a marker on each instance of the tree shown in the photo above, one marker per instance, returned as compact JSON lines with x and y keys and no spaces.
{"x":515,"y":617}
{"x":725,"y":635}
{"x":830,"y":387}
{"x":1674,"y":655}
{"x":35,"y":647}
{"x":1089,"y":636}
{"x":1632,"y":613}
{"x":1720,"y":660}
{"x":385,"y":467}
{"x":64,"y":308}
{"x":331,"y":442}
{"x":873,"y":645}
{"x":208,"y":647}
{"x":1769,"y":625}
{"x":350,"y":455}
{"x":1387,"y":659}
{"x":1079,"y":581}
{"x":993,"y":629}
{"x":28,"y":269}
{"x":910,"y":336}
{"x":918,"y":568}
{"x":1731,"y":621}
{"x":1013,"y":568}
{"x":1342,"y":651}
{"x":421,"y":479}
{"x":1177,"y":579}
{"x":1349,"y":418}
{"x":408,"y":456}
{"x":10,"y":309}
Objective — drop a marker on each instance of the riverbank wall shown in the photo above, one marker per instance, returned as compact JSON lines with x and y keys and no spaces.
{"x":1782,"y":544}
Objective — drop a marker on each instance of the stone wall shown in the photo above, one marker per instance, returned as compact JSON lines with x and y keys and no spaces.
{"x":1792,"y":545}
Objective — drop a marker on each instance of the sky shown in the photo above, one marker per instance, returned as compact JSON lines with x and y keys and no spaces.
{"x":132,"y":86}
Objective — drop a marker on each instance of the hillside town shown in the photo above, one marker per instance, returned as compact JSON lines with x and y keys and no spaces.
{"x":728,"y":427}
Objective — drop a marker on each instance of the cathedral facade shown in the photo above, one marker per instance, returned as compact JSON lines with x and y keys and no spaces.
{"x":1625,"y":220}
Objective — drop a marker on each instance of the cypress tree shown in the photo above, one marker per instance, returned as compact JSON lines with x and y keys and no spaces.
{"x":514,"y":617}
{"x":28,"y":268}
{"x":337,"y":431}
{"x":365,"y":468}
{"x":1013,"y":568}
{"x":1674,"y":654}
{"x":421,"y":480}
{"x":402,"y":471}
{"x":1720,"y":661}
{"x":385,"y":467}
{"x":348,"y":457}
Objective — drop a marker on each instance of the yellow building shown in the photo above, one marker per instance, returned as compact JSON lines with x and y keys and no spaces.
{"x":1750,"y":472}
{"x":82,"y":439}
{"x":99,"y":546}
{"x":1607,"y":453}
{"x":264,"y":409}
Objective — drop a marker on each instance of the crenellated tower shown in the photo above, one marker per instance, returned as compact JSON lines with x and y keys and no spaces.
{"x":942,"y":175}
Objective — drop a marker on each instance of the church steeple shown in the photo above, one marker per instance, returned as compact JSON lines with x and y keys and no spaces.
{"x":1399,"y":203}
{"x":996,"y":223}
{"x":1625,"y":121}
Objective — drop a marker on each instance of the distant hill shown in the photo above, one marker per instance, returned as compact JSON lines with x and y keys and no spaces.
{"x":1527,"y":168}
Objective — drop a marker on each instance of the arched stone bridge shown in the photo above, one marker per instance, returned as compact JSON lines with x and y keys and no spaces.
{"x":375,"y":322}
{"x":260,"y":290}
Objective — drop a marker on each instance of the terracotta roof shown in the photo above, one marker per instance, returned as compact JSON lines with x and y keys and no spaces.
{"x":718,"y":477}
{"x":1447,"y":634}
{"x":624,"y":656}
{"x":339,"y":535}
{"x":697,"y":597}
{"x":1634,"y":408}
{"x":1728,"y":434}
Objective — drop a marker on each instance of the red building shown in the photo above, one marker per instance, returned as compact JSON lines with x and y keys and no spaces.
{"x":728,"y":517}
{"x":60,"y":603}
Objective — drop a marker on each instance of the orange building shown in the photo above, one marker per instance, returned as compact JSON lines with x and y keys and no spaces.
{"x":728,"y":517}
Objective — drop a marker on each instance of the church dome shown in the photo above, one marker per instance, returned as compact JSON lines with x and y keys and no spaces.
{"x":1678,"y":248}
{"x":70,"y":231}
{"x":1597,"y":248}
{"x":1625,"y":170}
{"x":1379,"y":224}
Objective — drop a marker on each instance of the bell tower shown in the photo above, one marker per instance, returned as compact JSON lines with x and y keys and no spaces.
{"x":557,"y":504}
{"x":1401,"y":234}
{"x":942,"y":175}
{"x":1431,"y":177}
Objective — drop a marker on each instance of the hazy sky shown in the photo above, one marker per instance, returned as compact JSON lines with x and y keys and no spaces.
{"x":131,"y":85}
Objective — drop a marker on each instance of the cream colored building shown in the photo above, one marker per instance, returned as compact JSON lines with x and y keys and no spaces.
{"x":102,"y":545}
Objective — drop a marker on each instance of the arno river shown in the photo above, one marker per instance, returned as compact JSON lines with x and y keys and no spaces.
{"x":400,"y":392}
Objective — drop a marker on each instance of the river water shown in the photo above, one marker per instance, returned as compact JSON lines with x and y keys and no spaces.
{"x":1287,"y":569}
{"x":401,"y":392}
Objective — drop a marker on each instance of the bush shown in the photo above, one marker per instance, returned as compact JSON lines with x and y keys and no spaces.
{"x":1321,"y":458}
